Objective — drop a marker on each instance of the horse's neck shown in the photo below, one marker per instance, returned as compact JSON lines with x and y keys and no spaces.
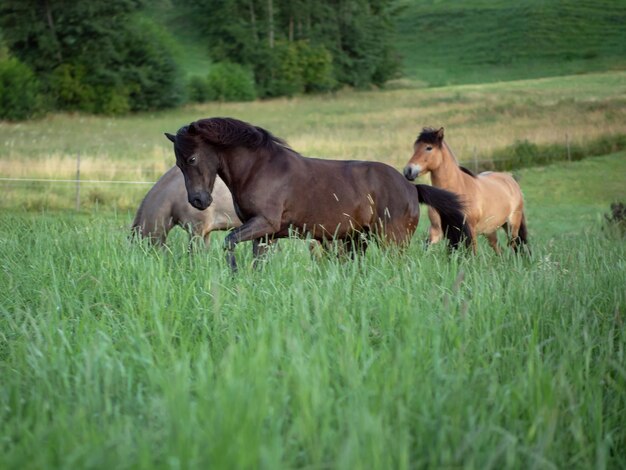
{"x":448,"y":175}
{"x":239,"y":165}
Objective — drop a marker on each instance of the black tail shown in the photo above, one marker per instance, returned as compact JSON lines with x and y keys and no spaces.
{"x":450,"y":210}
{"x":522,"y":236}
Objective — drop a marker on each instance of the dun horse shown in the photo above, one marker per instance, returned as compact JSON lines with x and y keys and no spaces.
{"x":276,"y":191}
{"x":166,"y":206}
{"x":492,"y":199}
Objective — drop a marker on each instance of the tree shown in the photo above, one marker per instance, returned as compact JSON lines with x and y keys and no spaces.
{"x":355,"y":36}
{"x":90,"y":54}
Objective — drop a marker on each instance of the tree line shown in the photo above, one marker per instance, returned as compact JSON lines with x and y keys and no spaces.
{"x":106,"y":56}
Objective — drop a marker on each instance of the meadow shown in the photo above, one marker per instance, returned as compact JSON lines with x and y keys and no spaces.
{"x":117,"y":355}
{"x":114,"y":355}
{"x":480,"y":121}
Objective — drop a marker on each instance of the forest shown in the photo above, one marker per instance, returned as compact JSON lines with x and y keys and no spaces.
{"x":111,"y":57}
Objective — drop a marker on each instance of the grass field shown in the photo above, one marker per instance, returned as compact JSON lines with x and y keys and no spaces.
{"x":477,"y":41}
{"x":116,"y":355}
{"x":112,"y":356}
{"x":479,"y":120}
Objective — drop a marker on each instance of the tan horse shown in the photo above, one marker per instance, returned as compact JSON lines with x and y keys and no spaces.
{"x":492,"y":199}
{"x":166,"y":206}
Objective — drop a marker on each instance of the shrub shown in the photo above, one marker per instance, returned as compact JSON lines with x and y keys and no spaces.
{"x":317,"y":68}
{"x":69,"y":89}
{"x":197,"y":89}
{"x":227,"y":82}
{"x":296,"y":67}
{"x":616,"y":220}
{"x":19,"y":90}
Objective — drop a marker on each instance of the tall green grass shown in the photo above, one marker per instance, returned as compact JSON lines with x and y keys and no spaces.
{"x":117,"y":355}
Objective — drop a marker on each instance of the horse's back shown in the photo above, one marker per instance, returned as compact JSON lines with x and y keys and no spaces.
{"x":500,"y":184}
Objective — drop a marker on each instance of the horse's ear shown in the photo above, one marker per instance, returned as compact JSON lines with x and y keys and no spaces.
{"x":170,"y":137}
{"x":192,"y":129}
{"x":440,"y":134}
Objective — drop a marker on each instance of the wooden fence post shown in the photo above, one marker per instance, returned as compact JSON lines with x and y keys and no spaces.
{"x":78,"y":182}
{"x":475,"y":161}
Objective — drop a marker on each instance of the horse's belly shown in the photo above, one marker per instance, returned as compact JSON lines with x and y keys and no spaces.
{"x":489,"y":224}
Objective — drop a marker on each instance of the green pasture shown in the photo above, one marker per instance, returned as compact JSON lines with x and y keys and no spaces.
{"x":480,"y":120}
{"x":477,"y":41}
{"x":114,"y":355}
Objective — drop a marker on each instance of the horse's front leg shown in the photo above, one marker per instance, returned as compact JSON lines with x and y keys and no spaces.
{"x":253,"y":229}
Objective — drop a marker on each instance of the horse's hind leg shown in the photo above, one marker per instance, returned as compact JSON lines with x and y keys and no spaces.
{"x":493,"y":242}
{"x":517,"y":230}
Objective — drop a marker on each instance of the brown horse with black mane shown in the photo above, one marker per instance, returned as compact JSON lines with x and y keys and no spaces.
{"x":276,"y":191}
{"x":492,"y":199}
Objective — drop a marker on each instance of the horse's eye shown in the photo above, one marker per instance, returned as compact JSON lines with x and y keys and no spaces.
{"x":191,"y":160}
{"x":429,"y":148}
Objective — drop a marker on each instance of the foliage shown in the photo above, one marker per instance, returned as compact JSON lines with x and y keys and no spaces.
{"x":19,"y":90}
{"x":197,"y":89}
{"x":616,"y":220}
{"x":88,"y":62}
{"x":230,"y":82}
{"x":224,"y":82}
{"x":301,"y":46}
{"x":524,"y":153}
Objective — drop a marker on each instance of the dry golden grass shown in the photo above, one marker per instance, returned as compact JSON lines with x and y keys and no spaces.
{"x":373,"y":125}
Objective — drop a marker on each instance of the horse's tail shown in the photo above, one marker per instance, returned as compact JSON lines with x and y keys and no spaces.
{"x":522,"y":235}
{"x":450,"y":208}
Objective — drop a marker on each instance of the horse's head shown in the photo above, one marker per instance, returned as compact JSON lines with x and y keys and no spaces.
{"x":199,"y":162}
{"x":427,"y":153}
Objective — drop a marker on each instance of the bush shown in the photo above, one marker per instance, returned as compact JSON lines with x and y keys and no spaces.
{"x":69,"y":90}
{"x":226,"y":82}
{"x":616,"y":221}
{"x":317,"y":68}
{"x":524,"y":154}
{"x":19,"y":91}
{"x":197,"y":89}
{"x":290,"y":68}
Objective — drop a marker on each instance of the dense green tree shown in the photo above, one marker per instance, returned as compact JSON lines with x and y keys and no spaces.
{"x":92,"y":55}
{"x":352,"y":38}
{"x":19,"y":89}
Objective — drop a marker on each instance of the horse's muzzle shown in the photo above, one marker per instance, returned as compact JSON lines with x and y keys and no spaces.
{"x":411,"y":172}
{"x":200,"y":200}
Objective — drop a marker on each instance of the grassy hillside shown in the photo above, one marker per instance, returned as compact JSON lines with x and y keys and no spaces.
{"x":474,"y":41}
{"x":478,"y":41}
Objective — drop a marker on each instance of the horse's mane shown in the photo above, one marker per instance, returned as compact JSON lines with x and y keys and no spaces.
{"x":229,"y":132}
{"x":468,"y":171}
{"x":429,"y":136}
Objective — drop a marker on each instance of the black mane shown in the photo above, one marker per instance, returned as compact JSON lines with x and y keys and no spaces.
{"x":468,"y":171}
{"x":428,"y":136}
{"x":228,"y":133}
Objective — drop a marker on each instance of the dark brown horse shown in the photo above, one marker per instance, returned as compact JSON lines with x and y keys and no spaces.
{"x":277,"y":192}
